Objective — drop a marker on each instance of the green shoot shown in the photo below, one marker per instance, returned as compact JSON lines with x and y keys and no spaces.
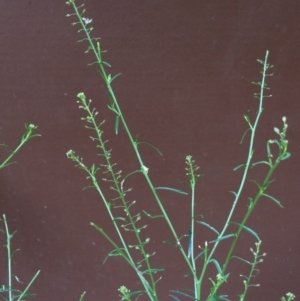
{"x":7,"y":292}
{"x":26,"y":136}
{"x":128,"y":221}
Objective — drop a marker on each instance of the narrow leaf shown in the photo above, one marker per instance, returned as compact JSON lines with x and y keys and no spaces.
{"x":152,"y":216}
{"x":248,"y":230}
{"x":153,"y":270}
{"x":190,"y":243}
{"x":223,"y":297}
{"x":175,"y":298}
{"x":176,"y":245}
{"x":213,"y":283}
{"x":199,"y":255}
{"x":135,"y":293}
{"x":183,"y":294}
{"x":245,"y":132}
{"x":115,"y":76}
{"x":172,"y":189}
{"x":217,"y":265}
{"x":106,"y":63}
{"x":113,"y":253}
{"x":233,"y":192}
{"x":244,"y":260}
{"x":239,"y":166}
{"x":257,"y":184}
{"x":149,"y":144}
{"x":223,"y":237}
{"x":260,"y":162}
{"x":117,"y":124}
{"x":189,"y":273}
{"x":120,"y":218}
{"x":273,"y":199}
{"x":285,"y":156}
{"x":82,"y":296}
{"x":209,"y":227}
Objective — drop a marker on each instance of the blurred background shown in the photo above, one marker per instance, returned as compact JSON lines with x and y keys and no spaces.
{"x":187,"y":68}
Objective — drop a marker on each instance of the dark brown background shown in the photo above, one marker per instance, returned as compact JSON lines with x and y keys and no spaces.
{"x":186,"y":71}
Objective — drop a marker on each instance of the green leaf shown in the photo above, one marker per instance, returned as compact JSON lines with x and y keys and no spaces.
{"x":223,"y":237}
{"x":217,"y":265}
{"x":223,"y":297}
{"x":82,"y":296}
{"x":244,"y":260}
{"x":172,"y":189}
{"x":114,"y":77}
{"x":199,"y":255}
{"x":183,"y":294}
{"x":248,"y":121}
{"x":88,"y":187}
{"x":209,"y":227}
{"x":176,"y":245}
{"x":135,"y":293}
{"x":273,"y":199}
{"x":106,"y":63}
{"x":234,"y":193}
{"x":213,"y":283}
{"x":152,"y":271}
{"x":261,"y":188}
{"x":152,"y":216}
{"x":152,"y":146}
{"x":189,"y":273}
{"x":248,"y":230}
{"x":189,"y":243}
{"x":285,"y":156}
{"x":117,"y":124}
{"x":260,"y":162}
{"x":113,"y":253}
{"x":24,"y":296}
{"x":120,"y":218}
{"x":257,"y":184}
{"x":175,"y":298}
{"x":239,"y":166}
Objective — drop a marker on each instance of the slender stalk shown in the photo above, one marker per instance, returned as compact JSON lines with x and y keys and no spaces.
{"x":242,"y":184}
{"x":114,"y":106}
{"x":257,"y":259}
{"x":191,"y":172}
{"x":250,"y":153}
{"x":121,"y":193}
{"x":9,"y":257}
{"x":26,"y":136}
{"x":249,"y":211}
{"x":29,"y":134}
{"x":28,"y":286}
{"x":127,"y":255}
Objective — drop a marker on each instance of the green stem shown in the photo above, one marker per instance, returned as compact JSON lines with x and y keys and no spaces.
{"x":28,"y":286}
{"x":9,"y":256}
{"x":243,"y":180}
{"x":117,"y":110}
{"x":97,"y":53}
{"x":29,"y":134}
{"x":250,"y":154}
{"x":109,"y":167}
{"x":249,"y":211}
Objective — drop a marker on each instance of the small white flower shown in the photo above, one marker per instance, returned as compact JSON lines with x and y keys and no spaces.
{"x":87,"y":21}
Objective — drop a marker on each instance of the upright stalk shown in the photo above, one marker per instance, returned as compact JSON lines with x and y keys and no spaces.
{"x":114,"y":106}
{"x":250,"y":151}
{"x":9,"y":256}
